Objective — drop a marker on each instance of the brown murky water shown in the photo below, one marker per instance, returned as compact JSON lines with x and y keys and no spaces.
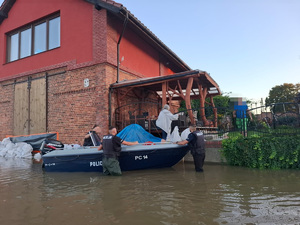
{"x":174,"y":196}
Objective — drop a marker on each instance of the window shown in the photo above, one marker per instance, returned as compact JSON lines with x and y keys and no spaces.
{"x":34,"y":38}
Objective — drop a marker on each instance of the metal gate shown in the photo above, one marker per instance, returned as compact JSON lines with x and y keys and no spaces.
{"x":30,"y":107}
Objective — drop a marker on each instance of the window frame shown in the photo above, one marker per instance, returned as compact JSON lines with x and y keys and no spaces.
{"x":32,"y":27}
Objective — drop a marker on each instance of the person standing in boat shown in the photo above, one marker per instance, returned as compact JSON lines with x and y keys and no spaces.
{"x":164,"y":121}
{"x":92,"y":138}
{"x":195,"y":141}
{"x":111,"y":146}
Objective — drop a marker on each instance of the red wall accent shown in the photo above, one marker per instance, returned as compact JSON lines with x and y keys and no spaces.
{"x":139,"y":55}
{"x":88,"y":37}
{"x":76,"y":33}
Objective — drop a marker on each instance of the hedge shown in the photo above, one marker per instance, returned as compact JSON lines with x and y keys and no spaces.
{"x":263,"y":152}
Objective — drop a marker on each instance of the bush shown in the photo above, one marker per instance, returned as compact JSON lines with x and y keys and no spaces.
{"x":263,"y":152}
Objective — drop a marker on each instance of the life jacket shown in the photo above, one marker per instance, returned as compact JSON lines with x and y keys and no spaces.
{"x":198,"y":146}
{"x":108,"y":147}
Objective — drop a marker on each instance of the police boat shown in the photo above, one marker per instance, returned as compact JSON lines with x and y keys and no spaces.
{"x":137,"y":157}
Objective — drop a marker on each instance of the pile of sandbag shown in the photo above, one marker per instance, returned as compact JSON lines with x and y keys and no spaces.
{"x":9,"y":149}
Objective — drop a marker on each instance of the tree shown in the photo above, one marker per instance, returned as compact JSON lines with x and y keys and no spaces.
{"x":283,"y":93}
{"x":221,"y":102}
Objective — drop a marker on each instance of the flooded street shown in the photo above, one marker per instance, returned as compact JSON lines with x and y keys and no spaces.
{"x":178,"y":195}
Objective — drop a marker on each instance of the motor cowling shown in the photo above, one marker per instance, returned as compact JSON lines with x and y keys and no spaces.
{"x":49,"y":145}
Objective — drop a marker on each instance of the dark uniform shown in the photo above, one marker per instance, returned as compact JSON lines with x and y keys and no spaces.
{"x":88,"y":141}
{"x":197,"y":147}
{"x":111,"y":150}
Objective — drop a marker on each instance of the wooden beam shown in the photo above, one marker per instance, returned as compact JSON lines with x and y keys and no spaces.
{"x":188,"y":99}
{"x":215,"y":111}
{"x":164,"y":93}
{"x":202,"y":96}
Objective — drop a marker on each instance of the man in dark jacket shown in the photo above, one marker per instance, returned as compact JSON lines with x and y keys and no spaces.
{"x":111,"y":145}
{"x":196,"y":142}
{"x":92,"y":138}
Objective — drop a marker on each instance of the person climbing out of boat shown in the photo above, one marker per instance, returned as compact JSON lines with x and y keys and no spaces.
{"x":111,"y":146}
{"x":92,"y":138}
{"x":164,"y":121}
{"x":196,"y":143}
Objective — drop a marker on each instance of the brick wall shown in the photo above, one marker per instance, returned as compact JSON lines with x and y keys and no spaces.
{"x":72,"y":108}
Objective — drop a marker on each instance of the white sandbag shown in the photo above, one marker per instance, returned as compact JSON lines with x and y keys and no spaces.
{"x":10,"y":153}
{"x":37,"y":156}
{"x":26,"y":155}
{"x":6,"y":141}
{"x":27,"y":148}
{"x":3,"y":151}
{"x":185,"y":134}
{"x":10,"y":145}
{"x":17,"y":150}
{"x":174,"y":137}
{"x":71,"y":146}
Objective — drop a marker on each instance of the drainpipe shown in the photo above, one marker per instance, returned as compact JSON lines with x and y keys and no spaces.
{"x":118,"y":47}
{"x":109,"y":105}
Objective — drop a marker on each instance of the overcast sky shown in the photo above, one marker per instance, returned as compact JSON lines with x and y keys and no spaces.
{"x":247,"y":46}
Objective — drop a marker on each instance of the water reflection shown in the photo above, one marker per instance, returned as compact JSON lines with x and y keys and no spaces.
{"x":220,"y":195}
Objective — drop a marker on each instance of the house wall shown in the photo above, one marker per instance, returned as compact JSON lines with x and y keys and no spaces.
{"x":72,"y":108}
{"x":76,"y":34}
{"x":88,"y":50}
{"x":137,"y":56}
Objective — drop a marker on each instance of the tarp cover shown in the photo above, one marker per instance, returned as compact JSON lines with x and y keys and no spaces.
{"x":34,"y":140}
{"x":135,"y":132}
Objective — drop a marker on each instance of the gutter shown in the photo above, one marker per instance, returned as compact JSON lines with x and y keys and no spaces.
{"x":118,"y":46}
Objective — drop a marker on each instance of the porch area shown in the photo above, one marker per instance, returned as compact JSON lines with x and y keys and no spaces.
{"x":140,"y":100}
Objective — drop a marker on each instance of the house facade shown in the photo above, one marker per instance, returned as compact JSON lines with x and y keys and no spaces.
{"x":58,"y":60}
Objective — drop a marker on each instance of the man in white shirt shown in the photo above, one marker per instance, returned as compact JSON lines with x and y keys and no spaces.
{"x":164,"y":121}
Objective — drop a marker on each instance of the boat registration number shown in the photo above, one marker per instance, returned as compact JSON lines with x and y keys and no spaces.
{"x":140,"y":157}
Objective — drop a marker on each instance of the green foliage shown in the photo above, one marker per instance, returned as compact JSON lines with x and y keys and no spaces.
{"x":283,"y":93}
{"x":263,"y":152}
{"x":221,"y":102}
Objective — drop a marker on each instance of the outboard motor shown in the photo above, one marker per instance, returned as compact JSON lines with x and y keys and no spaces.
{"x":49,"y":145}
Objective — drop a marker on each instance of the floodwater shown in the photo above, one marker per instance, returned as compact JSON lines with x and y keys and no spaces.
{"x":173,"y":196}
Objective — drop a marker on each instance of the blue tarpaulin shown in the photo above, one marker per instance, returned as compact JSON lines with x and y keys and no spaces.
{"x":135,"y":132}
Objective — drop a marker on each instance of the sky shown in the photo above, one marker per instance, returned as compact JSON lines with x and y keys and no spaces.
{"x":247,"y":46}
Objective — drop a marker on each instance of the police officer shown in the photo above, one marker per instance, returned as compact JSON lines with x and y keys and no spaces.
{"x":195,"y":141}
{"x":111,"y":145}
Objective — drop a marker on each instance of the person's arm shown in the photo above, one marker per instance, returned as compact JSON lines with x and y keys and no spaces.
{"x":189,"y":139}
{"x":100,"y":147}
{"x":129,"y":143}
{"x":184,"y":142}
{"x":87,"y":136}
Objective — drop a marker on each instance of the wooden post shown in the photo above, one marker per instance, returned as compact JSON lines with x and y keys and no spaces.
{"x":215,"y":111}
{"x":164,"y":93}
{"x":202,"y":96}
{"x":188,"y":99}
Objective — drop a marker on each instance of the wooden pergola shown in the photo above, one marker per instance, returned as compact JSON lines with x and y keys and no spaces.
{"x":185,"y":86}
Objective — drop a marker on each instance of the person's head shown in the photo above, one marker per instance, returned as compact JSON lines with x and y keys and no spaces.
{"x":97,"y":129}
{"x":113,"y":130}
{"x":166,"y":106}
{"x":192,"y":128}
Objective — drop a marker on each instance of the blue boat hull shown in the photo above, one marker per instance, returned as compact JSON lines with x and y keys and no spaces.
{"x":132,"y":158}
